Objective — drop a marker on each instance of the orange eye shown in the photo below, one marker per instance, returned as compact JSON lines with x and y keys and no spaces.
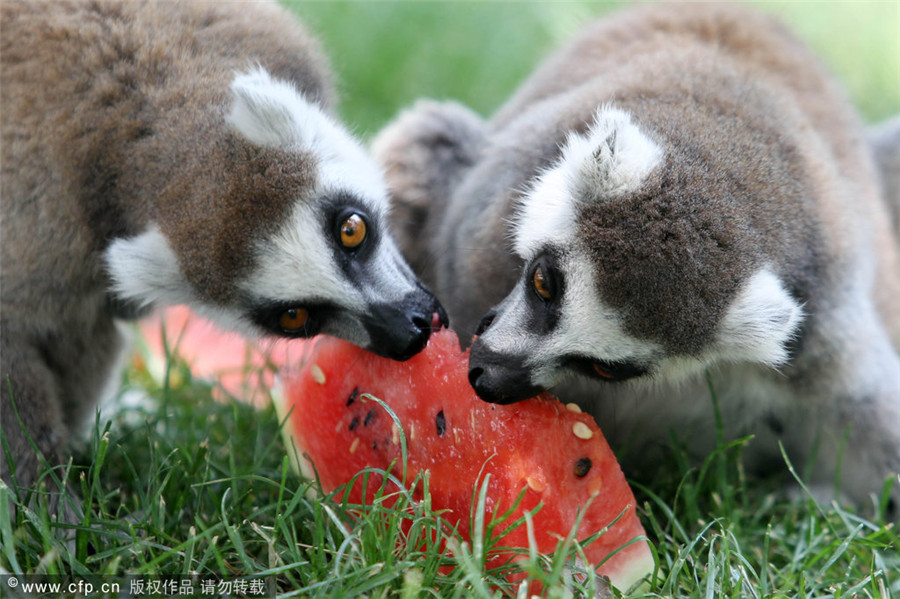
{"x":353,"y":231}
{"x":294,"y":319}
{"x":541,"y":285}
{"x":603,"y":372}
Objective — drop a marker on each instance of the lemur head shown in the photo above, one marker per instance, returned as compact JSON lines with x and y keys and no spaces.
{"x":282,"y":233}
{"x":636,"y":266}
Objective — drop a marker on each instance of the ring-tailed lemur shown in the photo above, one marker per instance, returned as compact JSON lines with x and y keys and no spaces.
{"x":680,"y":192}
{"x":177,"y":153}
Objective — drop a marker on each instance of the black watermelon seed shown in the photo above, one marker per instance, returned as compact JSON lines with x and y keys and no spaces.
{"x":354,"y":423}
{"x":353,"y":395}
{"x":441,"y":423}
{"x":370,"y":416}
{"x":582,"y":467}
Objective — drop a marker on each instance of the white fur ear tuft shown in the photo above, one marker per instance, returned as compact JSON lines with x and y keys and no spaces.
{"x":545,"y":213}
{"x":144,"y":269}
{"x":760,"y":322}
{"x":263,"y":110}
{"x":272,"y":113}
{"x":613,"y":158}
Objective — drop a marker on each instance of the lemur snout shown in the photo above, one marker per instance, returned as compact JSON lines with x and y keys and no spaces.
{"x":499,"y":378}
{"x":401,"y":331}
{"x":421,"y":327}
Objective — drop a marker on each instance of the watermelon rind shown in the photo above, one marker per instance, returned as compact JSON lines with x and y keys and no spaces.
{"x":300,"y":463}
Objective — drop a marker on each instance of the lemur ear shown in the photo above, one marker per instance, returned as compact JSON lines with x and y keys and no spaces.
{"x":760,"y":322}
{"x":614,"y":157}
{"x":272,"y":113}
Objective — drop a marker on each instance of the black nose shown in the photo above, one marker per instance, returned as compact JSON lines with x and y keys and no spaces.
{"x":400,"y":330}
{"x":499,"y":377}
{"x":474,"y":375}
{"x":481,"y":383}
{"x":420,"y":331}
{"x":495,"y":384}
{"x":421,"y":325}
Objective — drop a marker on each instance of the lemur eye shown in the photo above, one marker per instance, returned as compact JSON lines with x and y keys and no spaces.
{"x":541,"y":284}
{"x":603,"y":371}
{"x":617,"y":371}
{"x":293,"y":319}
{"x":353,"y":231}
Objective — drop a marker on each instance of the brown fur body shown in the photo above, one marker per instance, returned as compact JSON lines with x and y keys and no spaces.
{"x":765,"y":165}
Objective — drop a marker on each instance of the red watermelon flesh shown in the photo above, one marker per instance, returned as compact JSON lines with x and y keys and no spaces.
{"x":554,"y":452}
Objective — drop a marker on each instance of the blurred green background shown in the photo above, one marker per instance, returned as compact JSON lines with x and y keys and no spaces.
{"x":388,"y":53}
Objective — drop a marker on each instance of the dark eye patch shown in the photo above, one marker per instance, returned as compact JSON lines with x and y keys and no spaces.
{"x":545,"y":312}
{"x":268,"y":316}
{"x":610,"y":371}
{"x":338,"y":208}
{"x":617,"y":371}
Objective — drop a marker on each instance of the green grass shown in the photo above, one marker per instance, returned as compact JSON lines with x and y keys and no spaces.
{"x":185,"y":485}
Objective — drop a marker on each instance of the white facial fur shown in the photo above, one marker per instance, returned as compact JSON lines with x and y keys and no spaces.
{"x":755,"y":329}
{"x":297,"y":262}
{"x":587,"y":327}
{"x":615,"y":157}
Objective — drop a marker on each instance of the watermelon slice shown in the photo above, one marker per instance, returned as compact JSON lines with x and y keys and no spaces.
{"x":554,"y":452}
